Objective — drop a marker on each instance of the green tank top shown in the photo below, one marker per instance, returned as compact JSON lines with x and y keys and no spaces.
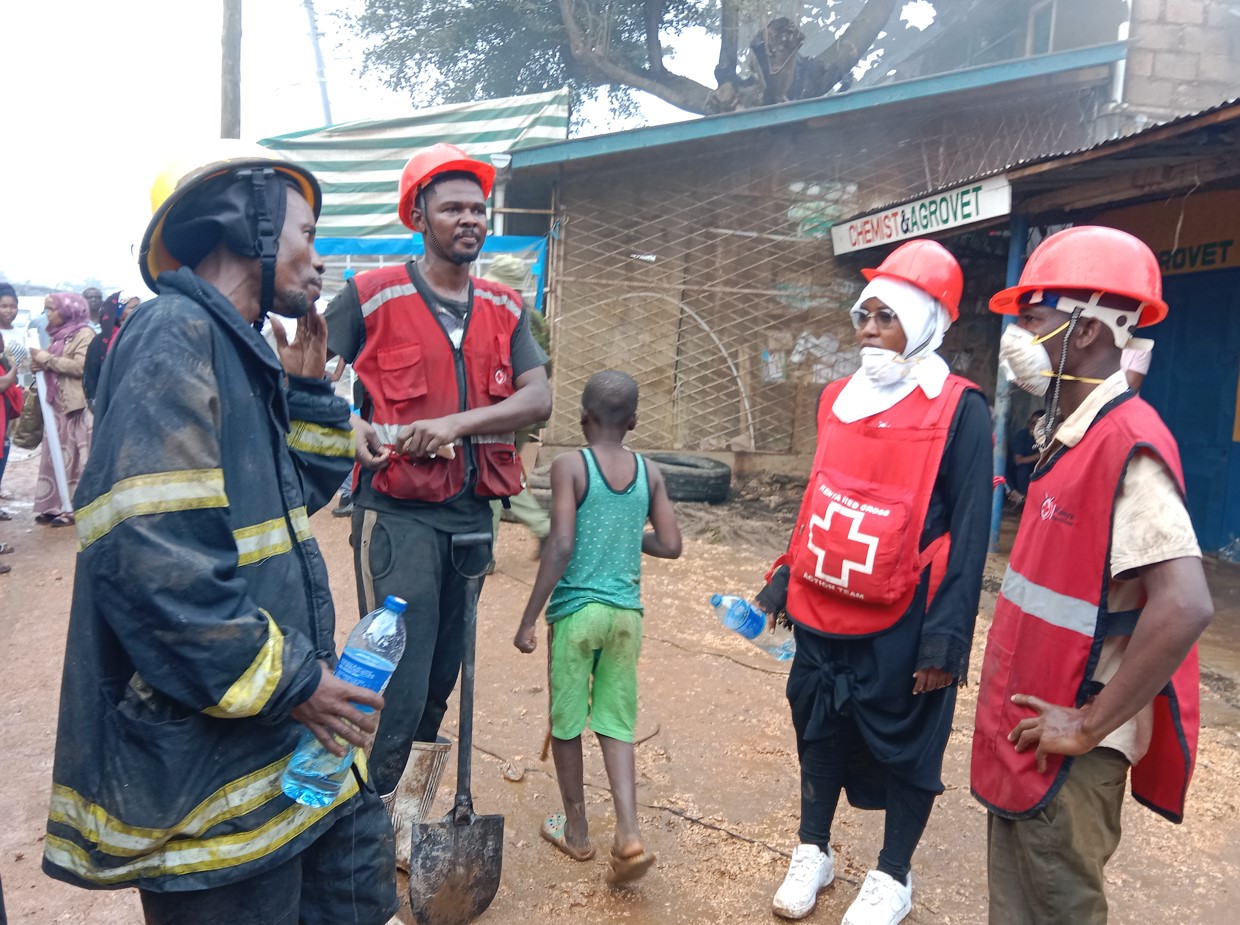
{"x":606,"y":567}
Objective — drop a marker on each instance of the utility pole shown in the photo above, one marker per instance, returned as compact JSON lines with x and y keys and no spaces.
{"x":318,"y":62}
{"x":230,"y":72}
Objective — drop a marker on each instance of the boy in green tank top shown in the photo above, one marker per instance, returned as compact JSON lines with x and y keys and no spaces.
{"x":591,"y":571}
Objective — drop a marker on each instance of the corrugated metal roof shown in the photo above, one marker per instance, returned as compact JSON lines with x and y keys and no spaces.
{"x":1156,"y":128}
{"x":1173,"y":127}
{"x":767,"y":117}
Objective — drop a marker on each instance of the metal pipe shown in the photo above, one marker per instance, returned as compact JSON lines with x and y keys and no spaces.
{"x":319,"y":71}
{"x":498,"y":195}
{"x":511,"y":211}
{"x":51,"y":434}
{"x":1018,"y":230}
{"x":1119,"y":70}
{"x":502,"y":162}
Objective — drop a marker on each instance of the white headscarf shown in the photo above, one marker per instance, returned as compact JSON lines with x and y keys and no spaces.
{"x":885,"y":378}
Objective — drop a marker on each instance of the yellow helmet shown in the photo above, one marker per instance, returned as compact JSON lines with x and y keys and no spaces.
{"x":188,"y":173}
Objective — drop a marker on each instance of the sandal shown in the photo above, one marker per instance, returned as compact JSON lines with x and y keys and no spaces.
{"x":5,"y":549}
{"x":63,"y":520}
{"x":626,"y":870}
{"x":553,"y":831}
{"x":43,"y":518}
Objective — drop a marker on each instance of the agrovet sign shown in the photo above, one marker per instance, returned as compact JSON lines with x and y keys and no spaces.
{"x":963,"y":205}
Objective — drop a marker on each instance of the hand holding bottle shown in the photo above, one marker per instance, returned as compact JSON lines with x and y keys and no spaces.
{"x":331,"y":712}
{"x":742,"y":617}
{"x":342,"y":713}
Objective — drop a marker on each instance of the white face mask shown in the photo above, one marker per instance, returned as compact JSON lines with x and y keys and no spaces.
{"x":1024,"y":361}
{"x":883,"y":367}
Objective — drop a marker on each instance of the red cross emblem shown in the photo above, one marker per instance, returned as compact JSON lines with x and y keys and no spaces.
{"x":835,"y":566}
{"x":1048,"y":507}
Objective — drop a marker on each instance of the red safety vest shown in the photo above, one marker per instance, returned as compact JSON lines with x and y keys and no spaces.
{"x":412,"y":372}
{"x":1051,"y":620}
{"x":855,"y":558}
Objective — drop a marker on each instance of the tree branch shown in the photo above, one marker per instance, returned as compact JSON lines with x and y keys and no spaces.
{"x":654,"y":47}
{"x":672,"y":88}
{"x":729,"y":41}
{"x":833,"y":64}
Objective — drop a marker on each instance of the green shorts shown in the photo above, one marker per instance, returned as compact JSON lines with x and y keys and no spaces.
{"x":601,"y":644}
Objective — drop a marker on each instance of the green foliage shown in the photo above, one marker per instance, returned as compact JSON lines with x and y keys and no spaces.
{"x":448,"y":51}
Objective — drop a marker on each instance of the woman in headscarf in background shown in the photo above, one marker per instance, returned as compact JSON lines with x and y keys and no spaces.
{"x":109,"y":327}
{"x":63,"y":365}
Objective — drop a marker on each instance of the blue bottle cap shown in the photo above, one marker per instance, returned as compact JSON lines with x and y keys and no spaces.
{"x":716,"y":600}
{"x":394,"y":603}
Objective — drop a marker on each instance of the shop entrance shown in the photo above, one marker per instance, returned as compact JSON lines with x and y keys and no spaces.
{"x":1192,"y":384}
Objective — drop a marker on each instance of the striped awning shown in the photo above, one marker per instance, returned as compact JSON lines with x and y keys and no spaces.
{"x":358,"y":164}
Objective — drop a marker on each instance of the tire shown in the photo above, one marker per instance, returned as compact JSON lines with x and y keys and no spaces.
{"x":690,"y":477}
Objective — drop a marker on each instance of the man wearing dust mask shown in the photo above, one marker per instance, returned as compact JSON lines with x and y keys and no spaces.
{"x":882,"y":604}
{"x":1090,"y":675}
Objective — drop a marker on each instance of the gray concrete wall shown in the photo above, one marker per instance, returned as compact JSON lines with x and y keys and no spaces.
{"x":1184,"y":56}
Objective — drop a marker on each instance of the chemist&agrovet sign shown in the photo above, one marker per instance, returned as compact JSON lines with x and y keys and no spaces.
{"x":963,"y":205}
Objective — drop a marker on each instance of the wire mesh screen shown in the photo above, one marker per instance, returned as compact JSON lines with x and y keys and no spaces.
{"x":709,"y":274}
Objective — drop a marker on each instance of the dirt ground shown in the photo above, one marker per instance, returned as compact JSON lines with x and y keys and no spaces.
{"x":717,"y":770}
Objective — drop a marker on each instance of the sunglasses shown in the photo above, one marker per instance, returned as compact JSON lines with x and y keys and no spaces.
{"x":884,"y":317}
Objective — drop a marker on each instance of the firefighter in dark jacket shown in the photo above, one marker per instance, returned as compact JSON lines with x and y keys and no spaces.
{"x":201,"y":641}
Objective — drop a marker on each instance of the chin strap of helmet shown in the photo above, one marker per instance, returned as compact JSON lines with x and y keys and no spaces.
{"x":430,"y":232}
{"x":1052,"y":412}
{"x":265,"y":243}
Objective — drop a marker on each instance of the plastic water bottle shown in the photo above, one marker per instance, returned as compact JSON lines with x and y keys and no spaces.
{"x":739,"y":615}
{"x":314,"y":775}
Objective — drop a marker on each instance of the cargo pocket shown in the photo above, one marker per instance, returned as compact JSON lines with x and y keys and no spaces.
{"x":496,"y":360}
{"x":402,"y":372}
{"x":499,"y":470}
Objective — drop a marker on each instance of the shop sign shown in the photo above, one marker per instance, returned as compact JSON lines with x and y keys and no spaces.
{"x":1190,"y":234}
{"x":964,"y":205}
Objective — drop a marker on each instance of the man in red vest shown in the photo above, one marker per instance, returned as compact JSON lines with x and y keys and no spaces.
{"x":1091,"y":661}
{"x":882,"y":604}
{"x":450,"y":372}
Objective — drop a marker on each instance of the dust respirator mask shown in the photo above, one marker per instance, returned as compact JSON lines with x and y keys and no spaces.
{"x":883,"y":367}
{"x":1024,"y":361}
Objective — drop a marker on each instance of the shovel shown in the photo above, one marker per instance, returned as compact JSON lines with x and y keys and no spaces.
{"x":455,"y":863}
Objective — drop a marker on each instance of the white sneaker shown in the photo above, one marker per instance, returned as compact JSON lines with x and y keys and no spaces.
{"x":810,"y":872}
{"x":882,"y":901}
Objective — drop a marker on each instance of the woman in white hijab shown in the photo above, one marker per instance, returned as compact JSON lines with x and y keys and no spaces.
{"x":881,"y":580}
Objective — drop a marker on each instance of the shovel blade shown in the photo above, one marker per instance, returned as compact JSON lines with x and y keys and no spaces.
{"x":454,"y":869}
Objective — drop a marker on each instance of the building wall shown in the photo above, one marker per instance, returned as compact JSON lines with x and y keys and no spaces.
{"x":708,"y":273}
{"x":1184,"y":56}
{"x":999,"y":30}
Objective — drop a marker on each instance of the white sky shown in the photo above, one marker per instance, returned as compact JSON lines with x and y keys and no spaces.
{"x":97,"y":96}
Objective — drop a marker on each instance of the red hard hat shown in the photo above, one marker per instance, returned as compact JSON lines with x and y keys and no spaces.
{"x":428,"y":163}
{"x":1095,"y":259}
{"x":930,"y":267}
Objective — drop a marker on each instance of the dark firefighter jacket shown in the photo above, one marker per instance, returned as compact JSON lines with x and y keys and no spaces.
{"x":200,"y":605}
